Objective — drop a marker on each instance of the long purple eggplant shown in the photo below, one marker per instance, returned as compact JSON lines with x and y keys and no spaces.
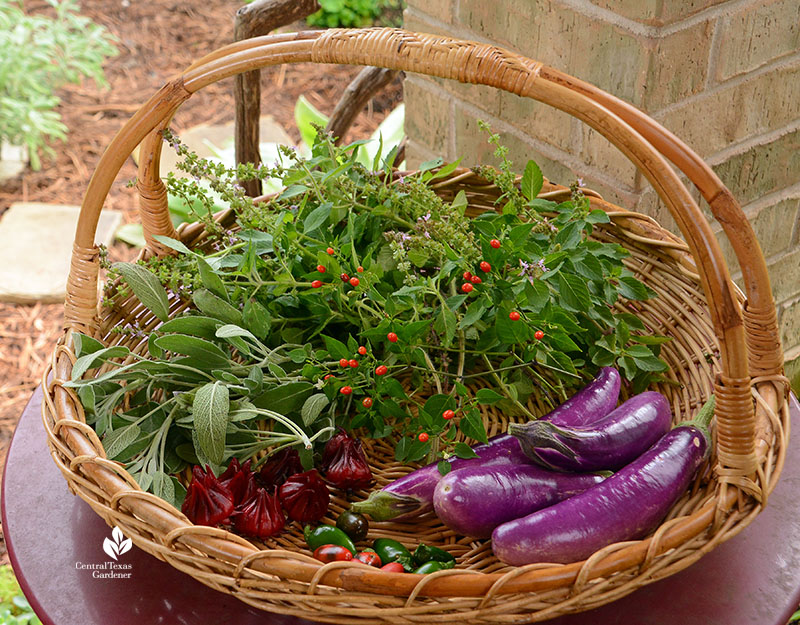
{"x":625,"y":506}
{"x":611,"y":443}
{"x":413,"y":493}
{"x":475,"y":500}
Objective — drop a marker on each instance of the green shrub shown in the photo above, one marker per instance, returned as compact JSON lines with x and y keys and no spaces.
{"x":56,"y":50}
{"x":14,"y":608}
{"x":355,"y":13}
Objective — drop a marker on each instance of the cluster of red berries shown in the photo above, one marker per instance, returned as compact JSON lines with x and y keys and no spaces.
{"x":447,"y":415}
{"x":354,"y":281}
{"x":471,"y":280}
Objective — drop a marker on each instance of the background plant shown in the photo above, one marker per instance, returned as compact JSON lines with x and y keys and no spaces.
{"x":14,"y":607}
{"x":356,"y":13}
{"x":39,"y":54}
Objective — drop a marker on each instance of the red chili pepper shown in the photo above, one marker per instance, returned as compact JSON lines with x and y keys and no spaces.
{"x":343,"y":363}
{"x":485,"y":267}
{"x":349,"y":467}
{"x":467,"y":287}
{"x":316,"y":284}
{"x":331,"y":251}
{"x":354,"y":281}
{"x":353,"y":363}
{"x":332,"y":553}
{"x":369,"y":557}
{"x":344,"y":277}
{"x":514,"y":315}
{"x":279,"y":467}
{"x":448,"y":414}
{"x":475,"y":280}
{"x":321,"y":268}
{"x":260,"y":516}
{"x":392,"y":337}
{"x":495,"y":243}
{"x":362,"y":350}
{"x":393,"y":567}
{"x":305,"y":497}
{"x":381,"y":370}
{"x":423,"y":437}
{"x":346,"y":390}
{"x":367,"y":402}
{"x":360,"y":269}
{"x":467,"y":275}
{"x":538,"y":335}
{"x":207,"y":502}
{"x":240,"y":480}
{"x":327,"y":377}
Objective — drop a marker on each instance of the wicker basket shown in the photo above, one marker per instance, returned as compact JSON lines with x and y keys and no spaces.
{"x":722,"y":343}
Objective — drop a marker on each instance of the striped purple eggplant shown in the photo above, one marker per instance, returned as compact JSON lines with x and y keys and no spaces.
{"x":412,"y":494}
{"x":609,"y":444}
{"x":625,"y":506}
{"x":475,"y":500}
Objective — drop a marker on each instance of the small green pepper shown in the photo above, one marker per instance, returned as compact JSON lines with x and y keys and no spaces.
{"x":424,"y":553}
{"x":390,"y":550}
{"x":327,"y":535}
{"x":433,"y":566}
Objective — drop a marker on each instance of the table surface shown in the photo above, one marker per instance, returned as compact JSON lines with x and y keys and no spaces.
{"x":753,"y":579}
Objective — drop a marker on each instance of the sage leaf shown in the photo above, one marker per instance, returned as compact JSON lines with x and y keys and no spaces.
{"x":256,"y":318}
{"x":195,"y":325}
{"x":317,"y":217}
{"x":207,"y":352}
{"x":95,"y":359}
{"x":210,"y":409}
{"x":213,"y":306}
{"x":230,"y":330}
{"x":211,"y":280}
{"x":285,"y":398}
{"x":116,"y":441}
{"x":163,"y":487}
{"x":173,"y":244}
{"x":84,"y":344}
{"x":145,"y":287}
{"x":312,"y":408}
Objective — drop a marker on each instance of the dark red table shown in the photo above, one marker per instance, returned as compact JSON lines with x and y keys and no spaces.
{"x":753,"y":579}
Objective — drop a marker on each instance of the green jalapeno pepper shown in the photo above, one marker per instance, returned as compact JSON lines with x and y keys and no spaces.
{"x":390,"y":550}
{"x":327,"y":535}
{"x":432,"y":566}
{"x":424,"y":553}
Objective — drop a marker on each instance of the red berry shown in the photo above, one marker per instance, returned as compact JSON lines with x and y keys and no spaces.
{"x":466,"y":287}
{"x":476,"y":280}
{"x":485,"y":267}
{"x":538,"y":335}
{"x":362,"y":350}
{"x":392,"y":337}
{"x":448,"y":414}
{"x":331,"y":251}
{"x":367,"y":402}
{"x":343,"y":363}
{"x":355,"y":281}
{"x":513,"y":315}
{"x":344,"y":277}
{"x":321,"y":268}
{"x":381,"y":370}
{"x":494,"y":243}
{"x":346,"y":390}
{"x":353,"y":363}
{"x":467,"y":275}
{"x":360,"y":269}
{"x":316,"y":284}
{"x":423,"y":437}
{"x":327,"y":377}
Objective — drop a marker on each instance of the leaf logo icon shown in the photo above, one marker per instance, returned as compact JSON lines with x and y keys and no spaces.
{"x":117,"y":544}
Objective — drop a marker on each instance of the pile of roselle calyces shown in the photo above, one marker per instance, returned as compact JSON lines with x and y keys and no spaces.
{"x":584,"y":476}
{"x":253,"y":503}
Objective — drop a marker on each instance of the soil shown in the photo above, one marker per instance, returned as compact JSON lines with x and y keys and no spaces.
{"x":156,"y":40}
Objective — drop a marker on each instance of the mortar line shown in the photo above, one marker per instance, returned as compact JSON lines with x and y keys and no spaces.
{"x":752,"y":142}
{"x":713,"y":54}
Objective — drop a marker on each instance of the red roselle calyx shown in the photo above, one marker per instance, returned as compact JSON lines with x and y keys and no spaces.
{"x":331,"y":449}
{"x":208,"y":501}
{"x":260,"y":516}
{"x":348,"y":468}
{"x":240,"y":480}
{"x":279,"y":467}
{"x":305,"y":497}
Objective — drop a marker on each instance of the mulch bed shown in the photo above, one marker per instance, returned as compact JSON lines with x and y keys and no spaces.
{"x":156,"y":40}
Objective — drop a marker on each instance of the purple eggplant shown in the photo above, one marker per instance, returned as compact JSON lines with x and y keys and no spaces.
{"x":412,"y":494}
{"x":625,"y":506}
{"x":611,"y":443}
{"x":475,"y":500}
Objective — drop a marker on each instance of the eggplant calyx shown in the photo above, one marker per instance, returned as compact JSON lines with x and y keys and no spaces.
{"x":539,"y":434}
{"x":382,"y":505}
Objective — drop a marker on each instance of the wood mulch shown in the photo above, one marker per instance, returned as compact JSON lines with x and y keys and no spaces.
{"x":156,"y":40}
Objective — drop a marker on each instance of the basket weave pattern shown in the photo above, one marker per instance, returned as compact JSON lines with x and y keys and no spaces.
{"x":723,"y":342}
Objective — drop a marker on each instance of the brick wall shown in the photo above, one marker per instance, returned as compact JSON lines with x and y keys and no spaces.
{"x":724,"y":75}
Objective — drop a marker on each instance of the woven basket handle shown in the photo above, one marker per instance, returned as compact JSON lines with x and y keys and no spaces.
{"x":480,"y":64}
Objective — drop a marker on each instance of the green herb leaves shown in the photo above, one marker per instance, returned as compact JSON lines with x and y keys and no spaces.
{"x":210,"y":411}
